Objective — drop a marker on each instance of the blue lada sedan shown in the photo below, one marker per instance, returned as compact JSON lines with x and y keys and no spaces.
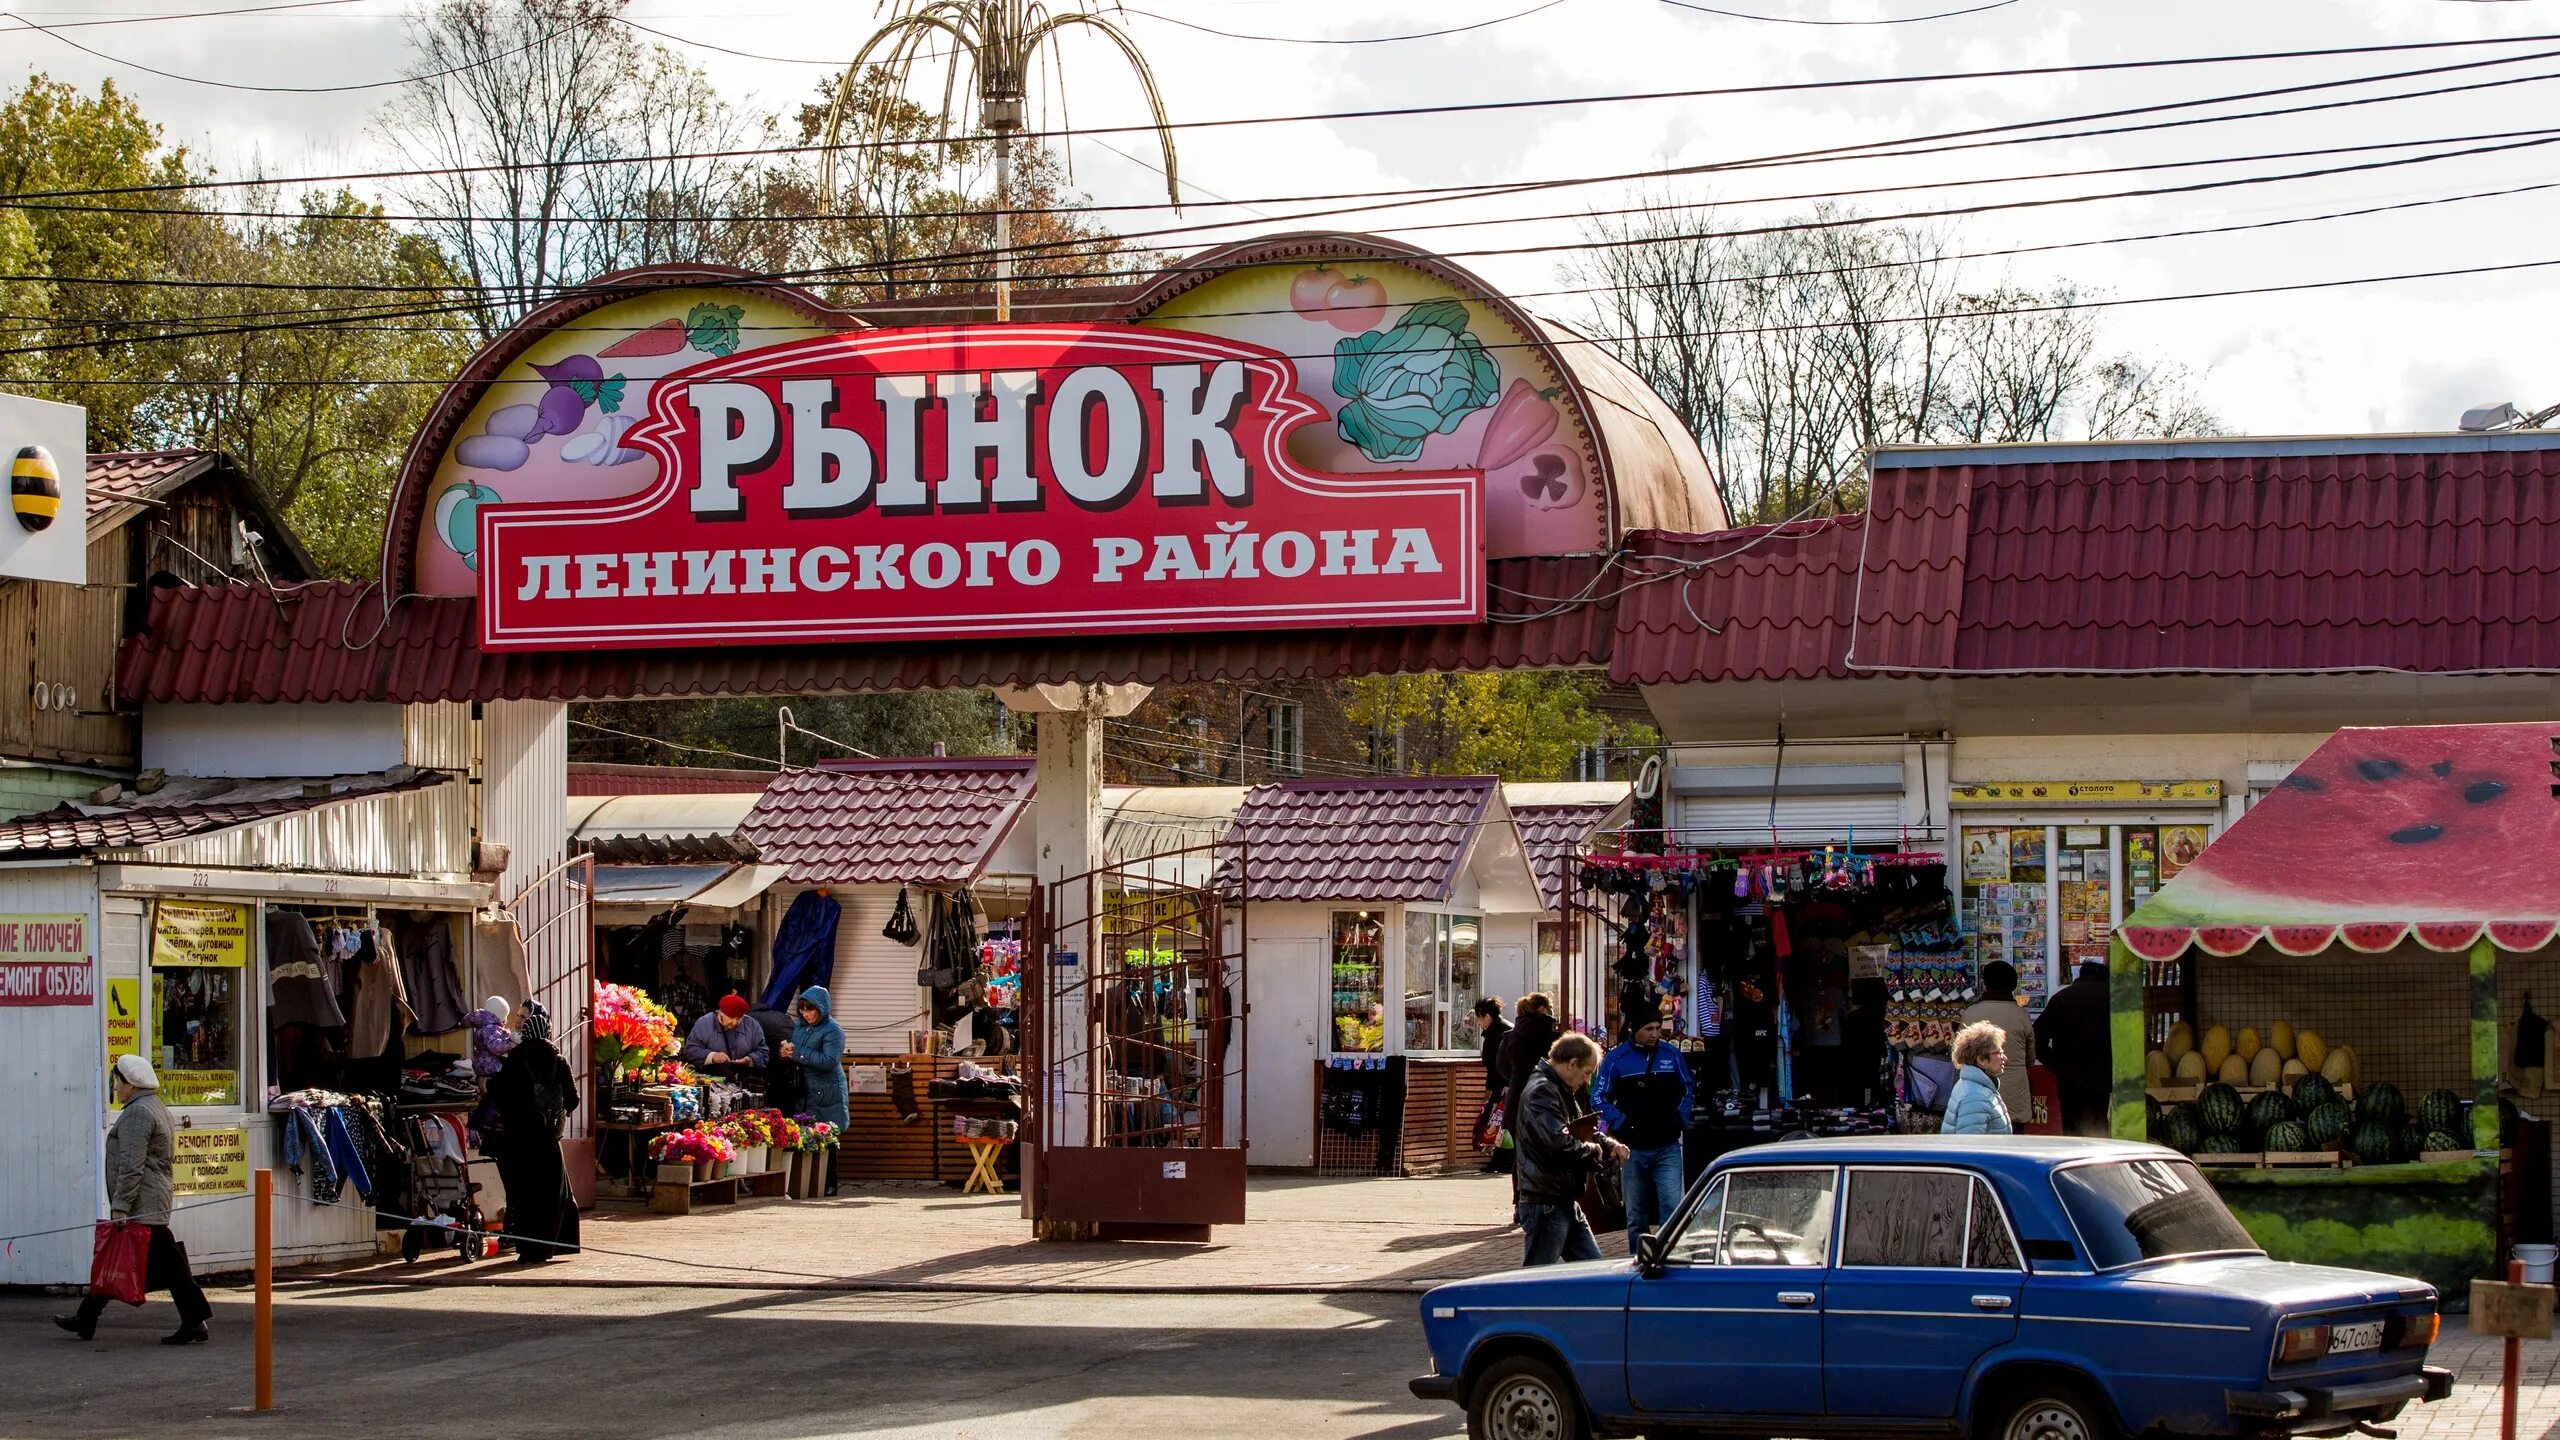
{"x":2016,"y":1288}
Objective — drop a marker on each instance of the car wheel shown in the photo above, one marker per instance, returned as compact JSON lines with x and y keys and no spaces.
{"x":2052,"y":1414}
{"x":1523,"y":1398}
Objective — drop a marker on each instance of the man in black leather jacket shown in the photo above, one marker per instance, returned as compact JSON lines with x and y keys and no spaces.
{"x":1554,"y":1163}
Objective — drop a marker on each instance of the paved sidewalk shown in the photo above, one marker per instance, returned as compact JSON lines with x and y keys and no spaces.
{"x":1302,"y":1235}
{"x":2471,"y":1412}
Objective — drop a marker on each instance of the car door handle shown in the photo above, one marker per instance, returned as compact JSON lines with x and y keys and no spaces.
{"x":1795,"y":1297}
{"x":1991,"y":1302}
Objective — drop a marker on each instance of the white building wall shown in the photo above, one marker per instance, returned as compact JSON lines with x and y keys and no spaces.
{"x":524,"y":788}
{"x":441,"y":735}
{"x":267,"y":741}
{"x":416,"y":834}
{"x":53,"y":1098}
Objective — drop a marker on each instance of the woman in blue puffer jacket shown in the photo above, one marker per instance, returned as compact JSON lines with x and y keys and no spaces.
{"x":817,"y":1047}
{"x":1974,"y":1107}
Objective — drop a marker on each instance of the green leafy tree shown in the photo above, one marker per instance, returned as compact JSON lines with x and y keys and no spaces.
{"x":1520,"y":725}
{"x":86,"y":306}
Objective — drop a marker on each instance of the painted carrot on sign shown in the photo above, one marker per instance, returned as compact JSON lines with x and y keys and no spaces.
{"x":664,"y":338}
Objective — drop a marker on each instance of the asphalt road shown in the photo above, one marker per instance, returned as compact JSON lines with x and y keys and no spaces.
{"x":733,"y":1364}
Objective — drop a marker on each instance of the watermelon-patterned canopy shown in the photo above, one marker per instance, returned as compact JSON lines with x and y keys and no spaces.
{"x":2441,"y":833}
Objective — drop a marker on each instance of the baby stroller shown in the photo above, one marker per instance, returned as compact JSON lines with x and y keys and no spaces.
{"x":444,"y":1201}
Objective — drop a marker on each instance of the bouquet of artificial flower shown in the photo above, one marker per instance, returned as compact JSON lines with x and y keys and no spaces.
{"x":631,"y":1030}
{"x":700,"y":1145}
{"x":816,"y":1134}
{"x":756,"y":1127}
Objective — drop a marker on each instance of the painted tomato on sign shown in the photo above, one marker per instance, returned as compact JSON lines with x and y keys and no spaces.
{"x":977,"y":480}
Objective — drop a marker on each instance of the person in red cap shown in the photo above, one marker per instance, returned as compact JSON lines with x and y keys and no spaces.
{"x":727,"y":1040}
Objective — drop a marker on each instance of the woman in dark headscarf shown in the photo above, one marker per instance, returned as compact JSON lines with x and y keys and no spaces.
{"x":532,"y":1096}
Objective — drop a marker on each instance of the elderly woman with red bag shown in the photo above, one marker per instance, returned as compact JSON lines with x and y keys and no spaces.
{"x":141,"y":1186}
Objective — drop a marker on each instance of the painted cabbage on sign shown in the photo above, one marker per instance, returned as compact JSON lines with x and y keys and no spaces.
{"x":1423,"y":377}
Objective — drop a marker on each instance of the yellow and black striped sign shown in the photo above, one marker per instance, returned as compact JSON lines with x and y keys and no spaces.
{"x":35,"y":488}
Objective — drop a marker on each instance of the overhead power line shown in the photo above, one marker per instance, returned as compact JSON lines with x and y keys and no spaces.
{"x":2046,"y":307}
{"x":1359,"y":39}
{"x":1800,"y":20}
{"x":359,"y":317}
{"x":1772,"y":88}
{"x":55,"y":32}
{"x":1601,"y":243}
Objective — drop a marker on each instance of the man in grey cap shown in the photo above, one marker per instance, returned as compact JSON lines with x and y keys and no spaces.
{"x":141,"y":1186}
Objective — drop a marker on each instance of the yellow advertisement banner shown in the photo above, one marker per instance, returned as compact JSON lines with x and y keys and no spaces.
{"x":200,"y":933}
{"x":124,"y":1026}
{"x":2087,"y":792}
{"x":212,"y":1162}
{"x":199,"y":1087}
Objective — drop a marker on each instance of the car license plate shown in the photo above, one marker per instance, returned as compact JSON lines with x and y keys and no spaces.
{"x":2348,"y":1339}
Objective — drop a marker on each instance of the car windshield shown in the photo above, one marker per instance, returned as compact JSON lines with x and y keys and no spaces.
{"x":2134,"y":1210}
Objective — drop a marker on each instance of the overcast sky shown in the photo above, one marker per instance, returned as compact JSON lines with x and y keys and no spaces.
{"x":2403,"y":356}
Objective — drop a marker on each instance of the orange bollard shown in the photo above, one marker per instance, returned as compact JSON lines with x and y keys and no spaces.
{"x":265,"y":1330}
{"x":2515,"y":1362}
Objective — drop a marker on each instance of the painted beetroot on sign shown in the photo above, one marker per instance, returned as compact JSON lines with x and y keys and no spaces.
{"x":989,"y":480}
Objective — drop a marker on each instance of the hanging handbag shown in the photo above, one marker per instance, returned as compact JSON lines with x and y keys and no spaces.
{"x":119,"y":1260}
{"x":1604,"y":1200}
{"x":902,"y":926}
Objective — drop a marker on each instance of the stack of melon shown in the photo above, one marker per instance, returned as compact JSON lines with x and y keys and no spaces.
{"x":2281,"y":1060}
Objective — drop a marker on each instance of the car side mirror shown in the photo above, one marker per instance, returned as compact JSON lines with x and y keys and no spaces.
{"x":1651,"y":1251}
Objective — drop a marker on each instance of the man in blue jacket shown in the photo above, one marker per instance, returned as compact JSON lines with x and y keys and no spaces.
{"x":1643,"y":1093}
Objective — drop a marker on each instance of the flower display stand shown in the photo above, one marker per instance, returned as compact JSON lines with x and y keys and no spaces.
{"x":671,"y":1198}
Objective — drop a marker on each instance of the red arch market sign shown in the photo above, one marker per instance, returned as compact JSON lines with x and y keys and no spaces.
{"x":987,"y":480}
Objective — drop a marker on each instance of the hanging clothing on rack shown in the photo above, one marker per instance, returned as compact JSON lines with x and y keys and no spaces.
{"x":498,"y":958}
{"x":300,"y":990}
{"x":426,"y":969}
{"x":381,"y":999}
{"x":804,"y":949}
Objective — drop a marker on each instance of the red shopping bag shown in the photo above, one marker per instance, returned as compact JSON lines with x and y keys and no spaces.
{"x":119,"y":1260}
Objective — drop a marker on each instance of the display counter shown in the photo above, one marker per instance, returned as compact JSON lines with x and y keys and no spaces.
{"x":2438,"y":1222}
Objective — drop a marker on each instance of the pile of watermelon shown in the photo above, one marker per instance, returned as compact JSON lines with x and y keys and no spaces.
{"x":2384,"y":1134}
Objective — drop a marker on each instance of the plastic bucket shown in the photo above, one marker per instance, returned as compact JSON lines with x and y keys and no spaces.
{"x":2537,"y":1262}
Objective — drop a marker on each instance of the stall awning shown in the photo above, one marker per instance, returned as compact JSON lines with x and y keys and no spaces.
{"x":2441,"y":833}
{"x":703,"y":887}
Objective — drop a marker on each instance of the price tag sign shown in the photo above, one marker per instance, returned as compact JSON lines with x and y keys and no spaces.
{"x":2521,"y":1312}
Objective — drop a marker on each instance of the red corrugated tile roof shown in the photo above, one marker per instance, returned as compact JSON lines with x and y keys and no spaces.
{"x":339,"y":641}
{"x":139,"y":474}
{"x":1771,"y":602}
{"x":1380,"y":841}
{"x":587,"y":778}
{"x":2440,"y":556}
{"x":1554,"y":837}
{"x":72,"y":831}
{"x":890,"y":822}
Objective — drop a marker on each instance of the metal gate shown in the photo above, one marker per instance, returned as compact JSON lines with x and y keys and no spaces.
{"x":552,"y":921}
{"x":1134,"y":1059}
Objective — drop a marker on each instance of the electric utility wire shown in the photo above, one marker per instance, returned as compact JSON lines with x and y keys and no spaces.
{"x":844,"y":271}
{"x":1358,"y":39}
{"x":483,"y":297}
{"x":358,"y":316}
{"x":1318,"y":117}
{"x":1902,"y":148}
{"x":1797,"y":20}
{"x":1813,"y":223}
{"x":21,"y":18}
{"x":952,"y":257}
{"x":55,"y":32}
{"x":2053,"y":307}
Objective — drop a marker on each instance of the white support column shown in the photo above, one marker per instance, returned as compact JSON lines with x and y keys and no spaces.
{"x":1066,"y":816}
